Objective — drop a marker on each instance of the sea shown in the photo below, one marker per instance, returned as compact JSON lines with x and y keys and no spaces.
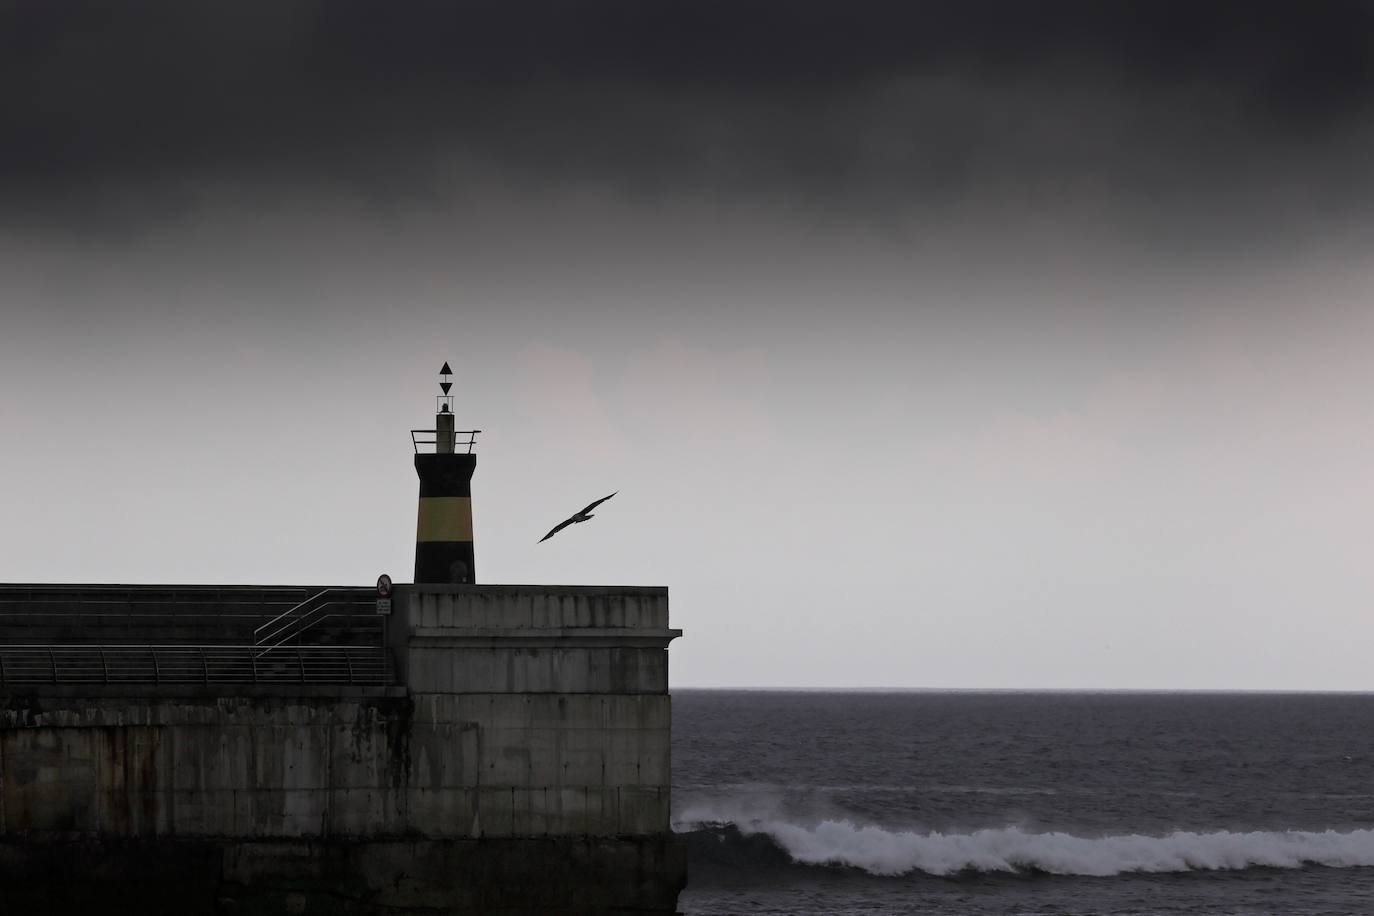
{"x":1024,"y":803}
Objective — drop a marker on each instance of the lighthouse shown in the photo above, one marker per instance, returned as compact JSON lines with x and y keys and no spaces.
{"x":444,"y":462}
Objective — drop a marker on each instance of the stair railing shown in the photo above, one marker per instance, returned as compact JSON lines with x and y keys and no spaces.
{"x":292,"y":623}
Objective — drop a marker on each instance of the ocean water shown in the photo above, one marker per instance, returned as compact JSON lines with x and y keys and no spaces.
{"x":1025,"y":803}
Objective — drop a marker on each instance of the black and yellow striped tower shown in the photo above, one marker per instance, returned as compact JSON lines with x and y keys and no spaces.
{"x":443,"y":533}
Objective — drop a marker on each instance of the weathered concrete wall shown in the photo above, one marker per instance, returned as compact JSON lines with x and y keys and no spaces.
{"x":540,"y":607}
{"x":529,"y":716}
{"x":514,"y":639}
{"x":558,"y":695}
{"x":163,"y":766}
{"x":450,"y":766}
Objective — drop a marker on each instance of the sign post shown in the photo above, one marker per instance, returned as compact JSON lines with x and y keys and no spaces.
{"x":383,"y":594}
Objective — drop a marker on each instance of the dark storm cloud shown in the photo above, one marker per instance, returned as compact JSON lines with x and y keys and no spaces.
{"x":826,"y":100}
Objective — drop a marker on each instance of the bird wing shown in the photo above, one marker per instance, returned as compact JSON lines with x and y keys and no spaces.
{"x":557,"y":528}
{"x":597,"y":503}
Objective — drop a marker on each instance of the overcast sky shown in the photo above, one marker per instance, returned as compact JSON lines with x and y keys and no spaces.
{"x":928,"y":344}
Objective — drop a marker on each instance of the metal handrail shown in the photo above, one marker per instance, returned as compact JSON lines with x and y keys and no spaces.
{"x":288,"y":612}
{"x":206,"y":665}
{"x":295,"y":610}
{"x":418,"y":438}
{"x":124,"y":604}
{"x":297,"y":625}
{"x":150,"y":594}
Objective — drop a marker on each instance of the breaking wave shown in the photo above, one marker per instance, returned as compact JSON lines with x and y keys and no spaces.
{"x":883,"y":851}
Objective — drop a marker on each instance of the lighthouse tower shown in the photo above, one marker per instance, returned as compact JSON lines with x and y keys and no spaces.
{"x":445,"y":462}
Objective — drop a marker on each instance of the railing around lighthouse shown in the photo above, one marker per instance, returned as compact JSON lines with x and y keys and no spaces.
{"x":427,"y":440}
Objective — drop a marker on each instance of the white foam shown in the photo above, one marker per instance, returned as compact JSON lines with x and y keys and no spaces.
{"x":882,"y":851}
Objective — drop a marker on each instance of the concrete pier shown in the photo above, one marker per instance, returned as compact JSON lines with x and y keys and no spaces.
{"x":516,"y":760}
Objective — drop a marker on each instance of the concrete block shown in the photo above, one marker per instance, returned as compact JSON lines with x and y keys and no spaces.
{"x":646,"y":711}
{"x":505,"y":762}
{"x":496,"y":810}
{"x":445,"y":755}
{"x":442,"y":812}
{"x":206,"y":812}
{"x":205,"y":757}
{"x":364,"y":812}
{"x":581,"y":760}
{"x":539,"y":670}
{"x":642,"y":810}
{"x":587,"y":811}
{"x":537,"y":812}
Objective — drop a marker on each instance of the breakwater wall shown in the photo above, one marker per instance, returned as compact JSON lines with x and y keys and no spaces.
{"x":517,"y":761}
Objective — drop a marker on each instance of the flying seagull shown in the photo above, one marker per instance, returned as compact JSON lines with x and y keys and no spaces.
{"x":579,"y":517}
